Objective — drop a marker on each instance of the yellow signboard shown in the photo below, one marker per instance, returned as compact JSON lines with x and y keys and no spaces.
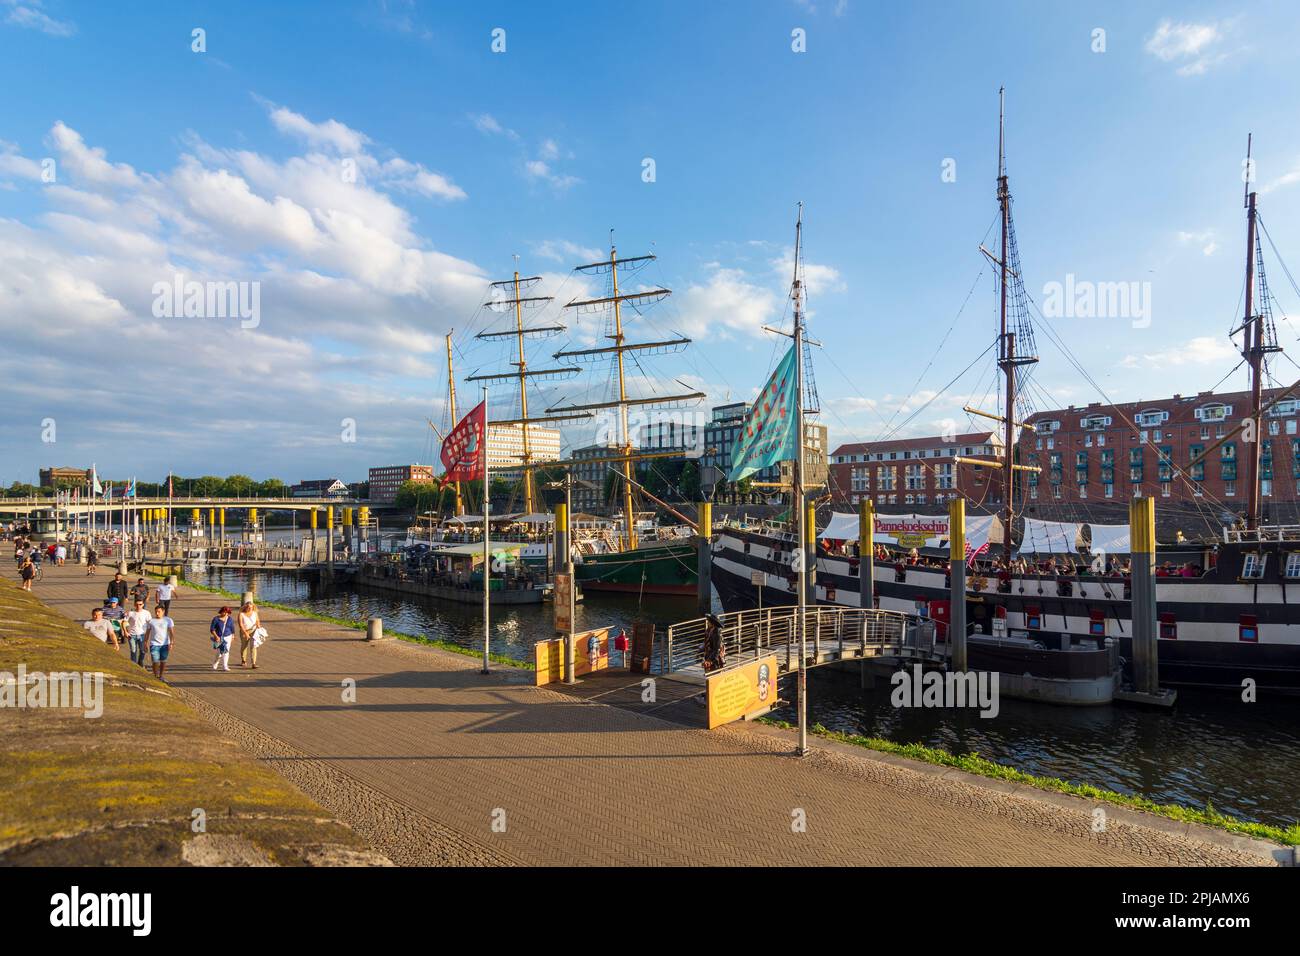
{"x":741,"y":691}
{"x":591,"y":653}
{"x":912,"y":540}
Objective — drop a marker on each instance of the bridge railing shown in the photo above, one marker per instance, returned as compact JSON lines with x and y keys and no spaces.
{"x":746,"y":635}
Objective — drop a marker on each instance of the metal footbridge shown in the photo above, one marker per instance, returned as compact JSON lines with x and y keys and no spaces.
{"x":832,"y":634}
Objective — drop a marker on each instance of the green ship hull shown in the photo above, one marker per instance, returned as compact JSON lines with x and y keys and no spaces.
{"x":654,"y":568}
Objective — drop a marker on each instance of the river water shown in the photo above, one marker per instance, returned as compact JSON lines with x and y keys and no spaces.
{"x":1244,"y":759}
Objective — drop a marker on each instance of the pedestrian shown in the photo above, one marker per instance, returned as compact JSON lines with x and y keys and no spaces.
{"x":137,"y":632}
{"x":118,"y":588}
{"x":27,"y":571}
{"x":164,"y":595}
{"x":92,"y":560}
{"x":250,"y":623}
{"x":60,"y":554}
{"x":161,"y":637}
{"x":222,"y":629}
{"x":140,"y":592}
{"x":101,"y":627}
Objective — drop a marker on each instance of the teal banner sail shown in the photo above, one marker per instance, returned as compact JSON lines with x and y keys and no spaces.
{"x":768,"y":435}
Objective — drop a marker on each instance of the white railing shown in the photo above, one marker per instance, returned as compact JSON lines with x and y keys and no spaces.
{"x":1274,"y":532}
{"x":752,"y":633}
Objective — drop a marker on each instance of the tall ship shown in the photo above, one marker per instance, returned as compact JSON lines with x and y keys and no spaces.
{"x":632,"y":552}
{"x":645,"y":560}
{"x":1233,"y":615}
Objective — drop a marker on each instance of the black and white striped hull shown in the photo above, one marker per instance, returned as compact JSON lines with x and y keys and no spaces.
{"x":1206,"y":650}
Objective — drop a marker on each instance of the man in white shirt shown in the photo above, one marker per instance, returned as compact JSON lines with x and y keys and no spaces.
{"x":165,"y":591}
{"x":161,"y":628}
{"x":137,"y":632}
{"x":101,"y":628}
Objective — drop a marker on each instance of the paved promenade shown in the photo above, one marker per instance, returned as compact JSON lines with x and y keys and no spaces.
{"x":441,"y":752}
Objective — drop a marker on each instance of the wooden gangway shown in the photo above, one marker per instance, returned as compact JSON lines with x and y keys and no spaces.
{"x":832,"y":634}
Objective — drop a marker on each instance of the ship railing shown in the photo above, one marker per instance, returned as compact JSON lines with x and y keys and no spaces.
{"x":1273,"y":532}
{"x":755,"y":632}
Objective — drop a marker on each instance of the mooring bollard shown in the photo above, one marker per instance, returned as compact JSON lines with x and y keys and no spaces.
{"x":375,"y":629}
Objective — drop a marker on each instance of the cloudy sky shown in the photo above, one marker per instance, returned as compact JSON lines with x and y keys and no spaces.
{"x":369,"y":168}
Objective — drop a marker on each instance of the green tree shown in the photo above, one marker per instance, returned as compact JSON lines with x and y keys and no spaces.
{"x":689,"y":482}
{"x":272,"y":488}
{"x":209,"y":486}
{"x":416,"y":496}
{"x":238,"y":486}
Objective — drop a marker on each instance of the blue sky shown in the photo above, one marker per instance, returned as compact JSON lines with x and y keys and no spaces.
{"x":226,"y":165}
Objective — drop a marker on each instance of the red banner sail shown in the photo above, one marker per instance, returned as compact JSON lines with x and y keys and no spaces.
{"x":465,"y":450}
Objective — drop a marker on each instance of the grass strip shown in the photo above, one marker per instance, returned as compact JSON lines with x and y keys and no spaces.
{"x":983,"y":767}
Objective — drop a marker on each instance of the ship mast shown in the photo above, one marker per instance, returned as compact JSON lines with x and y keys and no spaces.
{"x":516,"y":286}
{"x":1007,"y":340}
{"x":625,"y":455}
{"x":451,"y":405}
{"x":1010,"y":332}
{"x":1254,"y":349}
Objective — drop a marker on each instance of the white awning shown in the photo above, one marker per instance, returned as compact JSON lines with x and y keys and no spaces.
{"x":1110,"y":539}
{"x":1050,"y":537}
{"x":980,"y":529}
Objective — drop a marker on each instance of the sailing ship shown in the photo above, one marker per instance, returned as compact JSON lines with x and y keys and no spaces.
{"x":633,"y":554}
{"x":1056,"y":638}
{"x":662,"y":561}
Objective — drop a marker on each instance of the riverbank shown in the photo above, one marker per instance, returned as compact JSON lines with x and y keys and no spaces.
{"x":504,"y":766}
{"x":143,"y":780}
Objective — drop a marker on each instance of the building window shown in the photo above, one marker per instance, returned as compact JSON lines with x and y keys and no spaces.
{"x":1230,"y":489}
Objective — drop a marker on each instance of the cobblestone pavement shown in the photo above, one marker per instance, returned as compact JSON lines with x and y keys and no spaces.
{"x":458,"y":767}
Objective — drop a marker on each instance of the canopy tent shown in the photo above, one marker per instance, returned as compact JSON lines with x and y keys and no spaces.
{"x":1110,"y":538}
{"x":980,"y":529}
{"x":1068,"y":537}
{"x":535,"y":519}
{"x":478,"y":519}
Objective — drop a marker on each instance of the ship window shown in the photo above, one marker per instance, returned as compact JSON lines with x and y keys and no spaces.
{"x":1252,"y":567}
{"x":1293,"y":564}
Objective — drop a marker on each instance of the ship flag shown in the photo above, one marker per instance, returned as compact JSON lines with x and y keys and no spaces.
{"x":464,"y":451}
{"x":769,"y":432}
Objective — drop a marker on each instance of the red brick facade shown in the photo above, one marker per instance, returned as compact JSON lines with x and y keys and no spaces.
{"x":1114,"y":452}
{"x":917,"y":472}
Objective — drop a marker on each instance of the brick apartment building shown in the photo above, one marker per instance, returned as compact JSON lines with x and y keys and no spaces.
{"x":917,"y":472}
{"x":1103,"y":452}
{"x":387,"y":479}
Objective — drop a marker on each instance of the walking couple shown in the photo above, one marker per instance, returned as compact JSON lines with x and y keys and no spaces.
{"x":252,"y":634}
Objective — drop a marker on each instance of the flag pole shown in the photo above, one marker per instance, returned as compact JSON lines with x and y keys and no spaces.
{"x":487,"y":557}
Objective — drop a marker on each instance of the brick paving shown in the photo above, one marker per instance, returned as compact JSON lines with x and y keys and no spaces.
{"x":580,"y":782}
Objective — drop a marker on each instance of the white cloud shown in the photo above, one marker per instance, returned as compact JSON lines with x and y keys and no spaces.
{"x":487,"y":123}
{"x":1204,"y":238}
{"x":87,"y":163}
{"x":353,"y":303}
{"x":1191,"y":45}
{"x":342,"y":139}
{"x":817,"y":278}
{"x":29,"y":15}
{"x":563,"y":251}
{"x":729,"y":303}
{"x":1288,"y":178}
{"x":1201,"y":350}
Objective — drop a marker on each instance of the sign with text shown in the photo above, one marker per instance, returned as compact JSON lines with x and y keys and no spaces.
{"x":741,"y":691}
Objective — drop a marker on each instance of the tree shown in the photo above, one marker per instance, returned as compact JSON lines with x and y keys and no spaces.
{"x":416,"y":496}
{"x":689,"y":482}
{"x":272,"y":488}
{"x":209,"y":486}
{"x":238,"y":486}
